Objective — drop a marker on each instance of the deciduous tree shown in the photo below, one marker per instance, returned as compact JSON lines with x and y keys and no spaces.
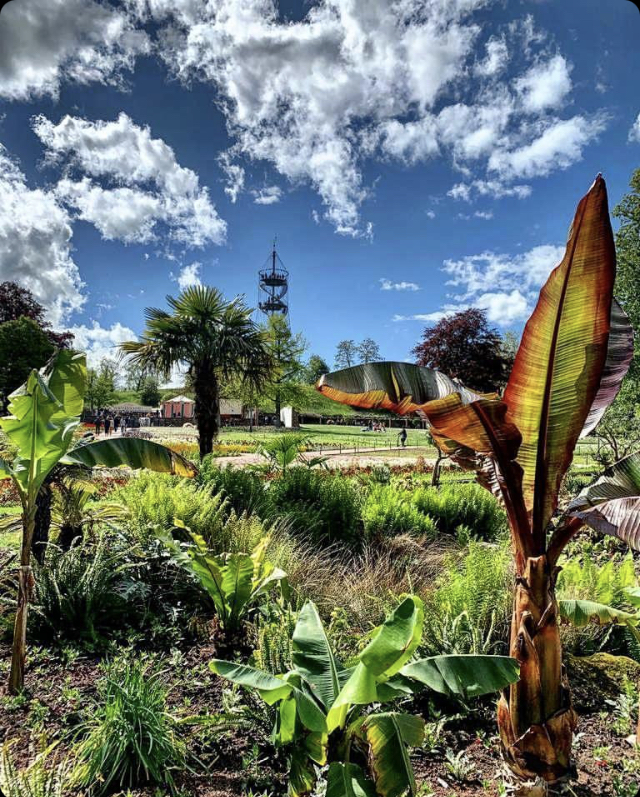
{"x":346,"y":354}
{"x":369,"y":351}
{"x":467,"y":349}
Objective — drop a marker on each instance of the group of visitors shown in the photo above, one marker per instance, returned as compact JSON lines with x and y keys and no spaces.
{"x":373,"y":426}
{"x":111,"y":423}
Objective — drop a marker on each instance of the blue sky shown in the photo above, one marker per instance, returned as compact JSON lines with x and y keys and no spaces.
{"x":412,"y":158}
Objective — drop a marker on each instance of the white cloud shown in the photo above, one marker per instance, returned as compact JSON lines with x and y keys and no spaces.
{"x":234,"y":173}
{"x":546,"y":85}
{"x":431,"y":318}
{"x":504,"y":308}
{"x":492,"y":188}
{"x":146,"y":186}
{"x":45,"y":42}
{"x":188,"y":276}
{"x":358,"y":80}
{"x":477,"y":276}
{"x":98,"y":341}
{"x":634,"y":133}
{"x":496,"y":59}
{"x":483,"y":214}
{"x":35,"y":244}
{"x":388,"y":285}
{"x":268,"y":195}
{"x":431,"y":214}
{"x":558,"y":146}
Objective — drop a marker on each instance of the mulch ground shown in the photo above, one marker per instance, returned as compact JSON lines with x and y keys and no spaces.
{"x":233,"y":758}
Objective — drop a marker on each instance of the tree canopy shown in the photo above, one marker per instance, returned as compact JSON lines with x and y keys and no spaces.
{"x":466,"y":348}
{"x":24,"y":345}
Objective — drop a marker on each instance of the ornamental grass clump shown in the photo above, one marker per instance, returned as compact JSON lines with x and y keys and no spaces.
{"x":130,"y":739}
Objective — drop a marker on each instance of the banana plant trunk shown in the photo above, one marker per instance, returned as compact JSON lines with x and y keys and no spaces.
{"x":42,"y":522}
{"x":25,"y":593}
{"x":535,"y":716}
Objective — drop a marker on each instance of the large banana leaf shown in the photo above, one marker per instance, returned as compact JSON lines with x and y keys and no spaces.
{"x":395,"y":640}
{"x":464,"y":675}
{"x":394,"y":386}
{"x":560,"y":362}
{"x":388,"y":736}
{"x":313,"y":658}
{"x":133,"y":452}
{"x":270,"y":688}
{"x":619,"y":356}
{"x":39,"y":425}
{"x":620,"y":480}
{"x":611,"y":505}
{"x":237,"y":583}
{"x":392,"y":646}
{"x":582,"y":613}
{"x":348,"y":780}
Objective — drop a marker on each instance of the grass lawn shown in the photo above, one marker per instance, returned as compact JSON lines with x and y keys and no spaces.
{"x":320,"y":434}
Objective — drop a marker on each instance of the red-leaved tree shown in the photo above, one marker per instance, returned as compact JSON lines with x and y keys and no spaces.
{"x":466,"y":348}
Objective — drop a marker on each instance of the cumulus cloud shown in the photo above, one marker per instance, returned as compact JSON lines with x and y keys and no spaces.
{"x":98,"y":341}
{"x":634,"y":133}
{"x":268,"y":195}
{"x":475,"y":277}
{"x":46,"y":42}
{"x":389,"y":285}
{"x":559,"y":145}
{"x":546,"y":85}
{"x":132,"y":182}
{"x":35,"y":244}
{"x":188,"y":276}
{"x":351,"y":81}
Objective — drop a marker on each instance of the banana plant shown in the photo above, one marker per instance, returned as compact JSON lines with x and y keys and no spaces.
{"x":575,"y":351}
{"x":234,"y":582}
{"x":44,"y":413}
{"x":327,"y":713}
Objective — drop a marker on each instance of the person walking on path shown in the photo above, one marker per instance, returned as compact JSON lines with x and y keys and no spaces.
{"x":107,"y":425}
{"x":402,"y":437}
{"x":98,"y":423}
{"x":116,"y":424}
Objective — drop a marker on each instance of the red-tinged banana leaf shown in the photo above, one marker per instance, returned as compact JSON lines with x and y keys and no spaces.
{"x":611,"y":505}
{"x":482,"y":428}
{"x":400,"y":388}
{"x":619,"y":356}
{"x":621,"y":480}
{"x":559,"y":365}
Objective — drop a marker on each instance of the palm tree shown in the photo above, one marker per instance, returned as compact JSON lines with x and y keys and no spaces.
{"x":215,"y":338}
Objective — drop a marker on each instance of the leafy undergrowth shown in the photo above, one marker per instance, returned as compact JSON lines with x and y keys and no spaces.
{"x":231,"y":755}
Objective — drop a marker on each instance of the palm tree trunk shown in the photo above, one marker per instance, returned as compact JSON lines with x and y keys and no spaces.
{"x":535,"y":716}
{"x":207,"y":408}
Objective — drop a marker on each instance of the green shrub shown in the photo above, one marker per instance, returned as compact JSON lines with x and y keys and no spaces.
{"x":470,"y":607}
{"x":130,"y":737}
{"x":155,"y":500}
{"x":325,"y":506}
{"x":388,"y":512}
{"x":467,"y":505}
{"x":243,"y":489}
{"x":84,"y":592}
